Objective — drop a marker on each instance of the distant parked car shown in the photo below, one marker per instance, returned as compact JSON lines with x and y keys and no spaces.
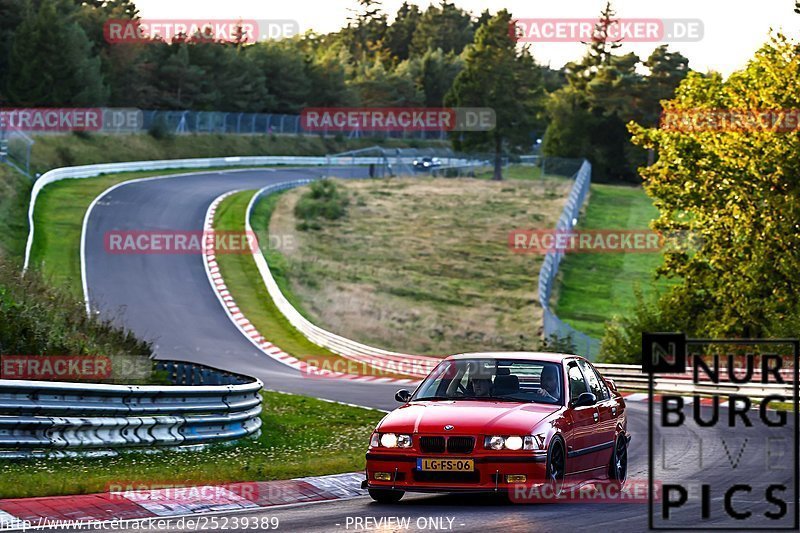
{"x":487,"y":421}
{"x":427,"y":163}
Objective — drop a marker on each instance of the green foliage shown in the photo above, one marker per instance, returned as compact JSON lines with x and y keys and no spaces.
{"x":622,"y":341}
{"x":324,"y":200}
{"x":160,"y":130}
{"x":51,"y":61}
{"x":604,"y":92}
{"x":739,"y":191}
{"x":445,"y":27}
{"x":38,"y":319}
{"x":498,"y":76}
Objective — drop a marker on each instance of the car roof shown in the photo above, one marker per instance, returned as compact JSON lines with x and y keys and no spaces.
{"x":530,"y":356}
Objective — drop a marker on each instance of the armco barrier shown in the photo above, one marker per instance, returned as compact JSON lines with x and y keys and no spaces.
{"x":337,"y":344}
{"x":89,"y":171}
{"x":204,"y":406}
{"x":630,"y":377}
{"x":554,"y":327}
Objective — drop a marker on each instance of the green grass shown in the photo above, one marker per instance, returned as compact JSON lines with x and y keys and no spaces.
{"x":244,"y":281}
{"x":58,"y":219}
{"x":299,"y":437}
{"x":14,"y":193}
{"x":513,"y":172}
{"x":596,"y":286}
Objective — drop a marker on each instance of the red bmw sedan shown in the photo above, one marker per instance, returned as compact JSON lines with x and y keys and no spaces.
{"x":493,"y":421}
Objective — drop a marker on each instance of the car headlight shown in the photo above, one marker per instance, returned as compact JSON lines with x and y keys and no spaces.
{"x":514,"y":442}
{"x":391,"y":440}
{"x":495,"y":443}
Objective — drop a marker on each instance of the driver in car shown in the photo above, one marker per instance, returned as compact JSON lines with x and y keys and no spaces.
{"x":549,"y":383}
{"x":482,"y":386}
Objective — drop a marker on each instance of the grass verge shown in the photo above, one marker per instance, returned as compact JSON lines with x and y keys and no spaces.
{"x":58,"y":218}
{"x":14,"y":193}
{"x":244,"y":282}
{"x":300,"y":436}
{"x":597,"y":286}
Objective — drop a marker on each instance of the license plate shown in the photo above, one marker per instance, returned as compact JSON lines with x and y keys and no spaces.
{"x":445,"y":465}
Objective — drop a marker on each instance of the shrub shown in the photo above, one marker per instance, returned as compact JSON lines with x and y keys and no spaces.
{"x":622,"y":341}
{"x":160,"y":130}
{"x":324,"y":201}
{"x":36,"y":319}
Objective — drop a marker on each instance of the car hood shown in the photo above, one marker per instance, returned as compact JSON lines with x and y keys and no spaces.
{"x":467,"y":416}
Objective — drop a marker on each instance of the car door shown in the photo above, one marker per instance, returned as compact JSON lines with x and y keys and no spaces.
{"x":582,"y":422}
{"x":605,"y":429}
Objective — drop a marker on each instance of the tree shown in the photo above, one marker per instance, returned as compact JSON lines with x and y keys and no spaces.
{"x":378,"y":87}
{"x":51,"y":61}
{"x":667,"y":70}
{"x":738,"y":192}
{"x":447,"y":27}
{"x":401,"y":31}
{"x":365,"y":31}
{"x":499,"y":76}
{"x":433,"y":74}
{"x":599,"y":52}
{"x":11,"y":13}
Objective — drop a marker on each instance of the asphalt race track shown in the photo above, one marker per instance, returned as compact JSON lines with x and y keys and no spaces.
{"x":487,"y":513}
{"x":167,"y":299}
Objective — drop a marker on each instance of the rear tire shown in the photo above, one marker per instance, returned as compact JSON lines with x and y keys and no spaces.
{"x":386,"y":496}
{"x":618,"y":469}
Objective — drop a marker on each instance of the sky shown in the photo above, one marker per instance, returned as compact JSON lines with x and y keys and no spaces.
{"x":733,"y":29}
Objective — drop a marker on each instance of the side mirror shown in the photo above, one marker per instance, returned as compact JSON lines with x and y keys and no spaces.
{"x":402,"y":396}
{"x":586,"y":398}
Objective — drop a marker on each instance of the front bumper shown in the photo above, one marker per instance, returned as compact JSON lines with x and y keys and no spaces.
{"x":489,"y":475}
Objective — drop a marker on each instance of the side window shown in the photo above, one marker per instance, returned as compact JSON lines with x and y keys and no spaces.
{"x":577,"y":385}
{"x":597,"y":386}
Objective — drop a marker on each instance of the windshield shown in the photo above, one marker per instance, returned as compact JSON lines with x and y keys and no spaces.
{"x":493,"y":379}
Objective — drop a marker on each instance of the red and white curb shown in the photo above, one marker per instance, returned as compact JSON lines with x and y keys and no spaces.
{"x":249,"y":330}
{"x":53,"y":511}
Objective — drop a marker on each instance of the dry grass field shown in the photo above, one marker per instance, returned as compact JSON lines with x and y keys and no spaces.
{"x":422,"y":265}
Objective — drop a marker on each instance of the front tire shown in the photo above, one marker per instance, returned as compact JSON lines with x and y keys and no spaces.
{"x":386,"y":496}
{"x":556,"y":467}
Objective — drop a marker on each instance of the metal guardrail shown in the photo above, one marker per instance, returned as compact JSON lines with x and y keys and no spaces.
{"x":336,"y":343}
{"x":554,"y":327}
{"x":630,"y":377}
{"x":90,"y":171}
{"x":204,"y":406}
